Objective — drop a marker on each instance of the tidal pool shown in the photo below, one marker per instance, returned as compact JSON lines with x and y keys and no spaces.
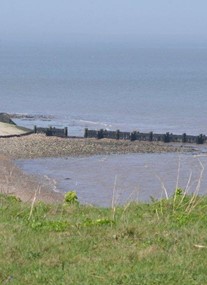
{"x":106,"y":179}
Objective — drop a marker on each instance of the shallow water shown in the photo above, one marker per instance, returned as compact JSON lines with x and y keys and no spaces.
{"x":100,"y":179}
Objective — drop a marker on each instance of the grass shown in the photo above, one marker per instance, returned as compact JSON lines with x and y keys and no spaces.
{"x":163,"y":242}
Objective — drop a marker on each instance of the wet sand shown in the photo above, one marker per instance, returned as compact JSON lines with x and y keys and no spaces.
{"x":14,"y":181}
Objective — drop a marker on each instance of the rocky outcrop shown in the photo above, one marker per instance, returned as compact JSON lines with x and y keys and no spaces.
{"x":5,"y":118}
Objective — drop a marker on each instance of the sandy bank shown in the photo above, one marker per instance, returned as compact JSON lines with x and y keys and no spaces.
{"x":7,"y":130}
{"x":14,"y":182}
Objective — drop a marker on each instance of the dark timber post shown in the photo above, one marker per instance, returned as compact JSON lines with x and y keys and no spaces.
{"x":35,"y":129}
{"x":184,"y":138}
{"x":151,"y":136}
{"x":65,"y":131}
{"x":86,"y":133}
{"x":117,"y":134}
{"x":166,"y":138}
{"x":133,"y":136}
{"x":200,"y":139}
{"x":49,"y":132}
{"x":100,"y":134}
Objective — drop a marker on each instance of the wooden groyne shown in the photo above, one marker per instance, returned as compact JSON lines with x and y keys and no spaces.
{"x":138,"y":136}
{"x":132,"y":136}
{"x":51,"y":131}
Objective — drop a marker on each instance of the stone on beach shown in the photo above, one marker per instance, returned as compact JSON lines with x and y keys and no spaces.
{"x":39,"y":145}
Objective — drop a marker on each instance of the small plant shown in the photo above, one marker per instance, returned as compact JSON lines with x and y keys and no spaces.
{"x":13,"y":198}
{"x":71,"y":198}
{"x":178,"y":192}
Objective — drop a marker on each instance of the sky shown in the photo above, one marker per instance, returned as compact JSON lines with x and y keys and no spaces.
{"x":60,"y":20}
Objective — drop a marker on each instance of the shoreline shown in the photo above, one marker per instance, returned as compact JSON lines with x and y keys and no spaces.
{"x":13,"y":181}
{"x":40,"y":146}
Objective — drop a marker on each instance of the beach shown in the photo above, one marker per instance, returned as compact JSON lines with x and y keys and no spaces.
{"x":14,"y":181}
{"x":39,"y":146}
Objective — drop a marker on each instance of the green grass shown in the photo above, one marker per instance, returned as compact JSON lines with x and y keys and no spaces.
{"x":164,"y":242}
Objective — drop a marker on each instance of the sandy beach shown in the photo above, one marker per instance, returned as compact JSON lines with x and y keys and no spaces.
{"x":14,"y":181}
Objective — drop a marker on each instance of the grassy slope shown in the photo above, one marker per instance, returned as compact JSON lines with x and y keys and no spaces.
{"x":159,"y":243}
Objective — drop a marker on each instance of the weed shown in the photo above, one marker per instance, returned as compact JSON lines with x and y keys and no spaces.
{"x":71,"y":198}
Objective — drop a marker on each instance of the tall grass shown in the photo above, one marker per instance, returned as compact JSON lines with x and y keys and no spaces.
{"x":162,"y":242}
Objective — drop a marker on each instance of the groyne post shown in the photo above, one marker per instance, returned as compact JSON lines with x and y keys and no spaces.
{"x":200,"y":139}
{"x":117,"y":134}
{"x":86,"y":133}
{"x":166,"y":137}
{"x":49,"y":132}
{"x":133,"y":136}
{"x":100,"y":134}
{"x":151,"y":136}
{"x":184,"y":138}
{"x":65,"y":131}
{"x":35,"y":129}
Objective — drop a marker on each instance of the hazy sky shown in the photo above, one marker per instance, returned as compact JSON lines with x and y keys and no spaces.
{"x":60,"y":19}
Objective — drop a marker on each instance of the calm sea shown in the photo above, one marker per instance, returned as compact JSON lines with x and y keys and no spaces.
{"x":126,"y":87}
{"x":115,"y":86}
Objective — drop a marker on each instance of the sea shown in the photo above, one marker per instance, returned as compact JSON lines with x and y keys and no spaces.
{"x":112,"y":85}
